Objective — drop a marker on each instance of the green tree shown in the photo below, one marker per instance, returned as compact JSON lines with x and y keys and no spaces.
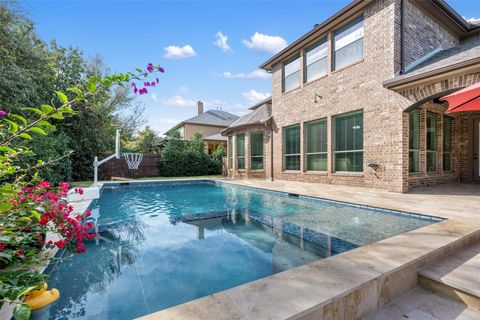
{"x":146,"y":141}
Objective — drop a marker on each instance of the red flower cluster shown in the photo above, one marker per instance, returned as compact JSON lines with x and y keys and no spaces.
{"x":57,"y":215}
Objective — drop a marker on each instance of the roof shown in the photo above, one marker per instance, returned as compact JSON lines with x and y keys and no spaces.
{"x":464,"y":55}
{"x":267,"y":100}
{"x":437,"y":8}
{"x":216,"y":137}
{"x":260,"y":115}
{"x":217,"y":118}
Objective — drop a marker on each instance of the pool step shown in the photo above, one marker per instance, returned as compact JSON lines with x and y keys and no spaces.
{"x":456,"y":276}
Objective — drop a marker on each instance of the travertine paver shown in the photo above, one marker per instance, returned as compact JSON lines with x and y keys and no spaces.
{"x":460,"y":270}
{"x":420,"y":304}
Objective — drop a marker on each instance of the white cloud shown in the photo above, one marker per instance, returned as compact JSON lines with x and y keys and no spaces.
{"x":154,"y":97}
{"x":221,"y":42}
{"x":471,"y":20}
{"x":257,"y":74}
{"x":176,"y":52}
{"x":178,"y":101}
{"x":254,"y":96}
{"x":265,"y":43}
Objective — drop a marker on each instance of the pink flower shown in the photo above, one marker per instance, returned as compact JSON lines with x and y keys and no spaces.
{"x":134,"y":85}
{"x":2,"y":246}
{"x":135,"y":90}
{"x":156,"y":79}
{"x":150,"y":67}
{"x":44,"y":184}
{"x":143,"y":91}
{"x":2,"y":113}
{"x":161,"y":69}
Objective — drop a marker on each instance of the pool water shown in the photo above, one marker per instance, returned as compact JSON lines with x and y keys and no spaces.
{"x":163,"y":244}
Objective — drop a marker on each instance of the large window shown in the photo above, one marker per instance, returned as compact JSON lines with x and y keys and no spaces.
{"x":349,"y":44}
{"x":447,"y":144}
{"x":316,"y":145}
{"x":230,"y":152}
{"x":291,"y":148}
{"x":291,"y":75}
{"x":241,"y":151}
{"x":349,"y":142}
{"x":256,"y":150}
{"x":316,"y":61}
{"x":431,"y":142}
{"x":414,"y":141}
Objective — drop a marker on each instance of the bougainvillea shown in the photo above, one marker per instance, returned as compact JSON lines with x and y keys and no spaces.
{"x":34,"y":215}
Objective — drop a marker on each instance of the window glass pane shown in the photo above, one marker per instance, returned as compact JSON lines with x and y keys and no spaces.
{"x":447,"y":161}
{"x":230,"y":152}
{"x":291,"y":75}
{"x":316,"y":136}
{"x":414,"y":161}
{"x":291,"y":147}
{"x":316,"y":61}
{"x":257,"y":163}
{"x":349,"y":161}
{"x":292,"y":162}
{"x":316,"y":162}
{"x":256,"y":144}
{"x":349,"y":44}
{"x":349,"y":142}
{"x":241,"y":151}
{"x":431,"y":161}
{"x":414,"y":130}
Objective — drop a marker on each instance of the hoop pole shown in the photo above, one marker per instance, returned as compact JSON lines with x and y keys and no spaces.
{"x":97,"y":163}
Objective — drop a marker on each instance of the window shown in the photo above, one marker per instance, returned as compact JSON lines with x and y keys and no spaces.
{"x":291,"y":75}
{"x":414,"y":141}
{"x":447,"y":143}
{"x":349,"y":44}
{"x":230,"y":152}
{"x":291,"y":148}
{"x":431,"y":142}
{"x":256,"y":150}
{"x":349,"y":142}
{"x":316,"y":145}
{"x":241,"y":151}
{"x":316,"y":61}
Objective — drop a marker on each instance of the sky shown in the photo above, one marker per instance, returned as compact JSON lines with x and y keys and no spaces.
{"x":210,"y":50}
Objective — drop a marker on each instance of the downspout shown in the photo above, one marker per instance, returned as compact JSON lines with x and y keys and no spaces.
{"x":402,"y":37}
{"x":271,"y":151}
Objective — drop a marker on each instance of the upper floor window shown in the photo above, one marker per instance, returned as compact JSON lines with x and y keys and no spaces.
{"x":256,"y":150}
{"x":241,"y":151}
{"x":291,"y":147}
{"x":414,"y":141}
{"x":291,"y":75}
{"x":316,"y":145}
{"x":349,"y":142}
{"x":316,"y":61}
{"x":349,"y":44}
{"x":431,"y":142}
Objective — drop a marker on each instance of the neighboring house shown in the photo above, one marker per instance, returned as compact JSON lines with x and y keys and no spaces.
{"x":355,"y":101}
{"x":210,"y":124}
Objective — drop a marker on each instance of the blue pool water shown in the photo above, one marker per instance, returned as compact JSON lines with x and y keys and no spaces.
{"x":160,"y":245}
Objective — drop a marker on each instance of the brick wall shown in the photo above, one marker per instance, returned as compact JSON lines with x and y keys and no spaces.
{"x":356,"y":87}
{"x":423,"y":34}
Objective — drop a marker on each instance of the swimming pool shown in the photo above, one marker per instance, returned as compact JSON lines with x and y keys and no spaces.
{"x":165,"y":243}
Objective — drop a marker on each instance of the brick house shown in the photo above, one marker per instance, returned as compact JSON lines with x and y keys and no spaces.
{"x":355,"y":101}
{"x":210,"y":124}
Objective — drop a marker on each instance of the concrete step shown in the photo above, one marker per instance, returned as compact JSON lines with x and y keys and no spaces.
{"x":456,"y":276}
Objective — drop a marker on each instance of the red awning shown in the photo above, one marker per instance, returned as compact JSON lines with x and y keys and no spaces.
{"x":467,"y":99}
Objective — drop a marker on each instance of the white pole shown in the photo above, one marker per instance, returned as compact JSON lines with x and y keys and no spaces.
{"x":97,"y":163}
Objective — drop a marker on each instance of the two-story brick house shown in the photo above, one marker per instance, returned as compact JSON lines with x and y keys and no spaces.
{"x":355,"y":101}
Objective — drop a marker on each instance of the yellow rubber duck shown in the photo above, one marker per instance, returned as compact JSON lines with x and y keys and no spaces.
{"x":40,"y":298}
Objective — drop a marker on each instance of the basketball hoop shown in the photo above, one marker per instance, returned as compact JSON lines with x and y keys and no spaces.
{"x":133,"y":160}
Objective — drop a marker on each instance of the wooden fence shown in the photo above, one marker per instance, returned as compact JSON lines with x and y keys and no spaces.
{"x":119,"y":168}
